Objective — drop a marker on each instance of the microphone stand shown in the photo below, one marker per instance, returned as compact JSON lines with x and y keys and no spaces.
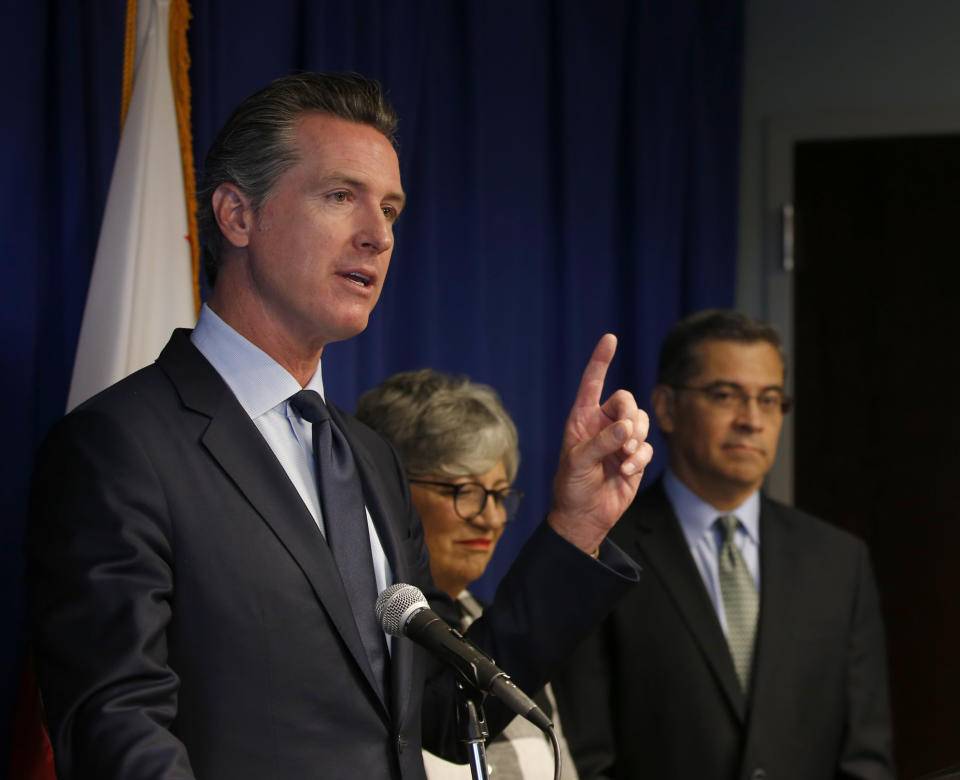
{"x":472,"y":728}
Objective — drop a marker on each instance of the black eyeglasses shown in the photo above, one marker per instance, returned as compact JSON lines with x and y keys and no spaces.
{"x":470,"y":498}
{"x":730,"y":396}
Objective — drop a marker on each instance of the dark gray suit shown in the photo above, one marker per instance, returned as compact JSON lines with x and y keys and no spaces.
{"x":653,"y":694}
{"x":188,"y":616}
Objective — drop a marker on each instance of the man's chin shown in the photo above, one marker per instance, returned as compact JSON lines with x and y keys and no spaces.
{"x":349,"y":328}
{"x":745,"y":476}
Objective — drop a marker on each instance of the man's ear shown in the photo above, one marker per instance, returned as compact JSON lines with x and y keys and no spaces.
{"x":663,"y":401}
{"x":234,"y":214}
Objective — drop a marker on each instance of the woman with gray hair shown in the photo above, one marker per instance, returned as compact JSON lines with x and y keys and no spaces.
{"x":460,"y":451}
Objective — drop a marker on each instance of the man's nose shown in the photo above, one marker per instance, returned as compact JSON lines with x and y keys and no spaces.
{"x":749,"y":414}
{"x":375,"y":233}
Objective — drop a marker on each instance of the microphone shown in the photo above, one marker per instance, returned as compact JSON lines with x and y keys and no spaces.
{"x":403,"y":611}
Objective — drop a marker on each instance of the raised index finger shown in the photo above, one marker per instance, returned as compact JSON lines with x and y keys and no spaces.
{"x":591,"y":383}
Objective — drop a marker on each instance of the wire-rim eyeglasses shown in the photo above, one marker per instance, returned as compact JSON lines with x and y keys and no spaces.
{"x":729,"y":395}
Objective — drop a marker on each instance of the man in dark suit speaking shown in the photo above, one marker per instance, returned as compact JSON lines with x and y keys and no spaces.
{"x":208,"y":536}
{"x":753,"y":646}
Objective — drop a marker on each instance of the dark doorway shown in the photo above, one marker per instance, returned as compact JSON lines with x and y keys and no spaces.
{"x":877,"y":342}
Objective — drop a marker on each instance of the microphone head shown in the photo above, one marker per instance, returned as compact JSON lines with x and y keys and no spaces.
{"x":396,"y":605}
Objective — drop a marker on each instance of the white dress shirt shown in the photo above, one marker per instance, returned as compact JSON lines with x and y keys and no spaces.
{"x":263,"y":387}
{"x":698,"y":519}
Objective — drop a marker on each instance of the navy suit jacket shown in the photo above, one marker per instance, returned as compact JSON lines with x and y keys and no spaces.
{"x":188,"y":616}
{"x":653,"y":693}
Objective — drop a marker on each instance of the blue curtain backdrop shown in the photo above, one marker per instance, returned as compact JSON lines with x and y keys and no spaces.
{"x":571,"y":169}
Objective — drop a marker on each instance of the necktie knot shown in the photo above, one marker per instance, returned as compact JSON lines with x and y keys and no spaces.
{"x":728,"y":550}
{"x":729,"y":525}
{"x":310,"y":406}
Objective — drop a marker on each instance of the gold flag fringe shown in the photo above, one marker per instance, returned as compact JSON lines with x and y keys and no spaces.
{"x":180,"y":74}
{"x":129,"y":57}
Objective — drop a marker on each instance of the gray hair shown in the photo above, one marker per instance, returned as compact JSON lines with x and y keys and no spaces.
{"x":442,"y":424}
{"x":679,"y":360}
{"x":257,"y":143}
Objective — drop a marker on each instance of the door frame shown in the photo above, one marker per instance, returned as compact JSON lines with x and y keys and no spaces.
{"x":781,"y":133}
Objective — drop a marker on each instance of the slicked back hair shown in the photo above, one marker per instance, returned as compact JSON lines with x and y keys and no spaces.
{"x":258,"y":142}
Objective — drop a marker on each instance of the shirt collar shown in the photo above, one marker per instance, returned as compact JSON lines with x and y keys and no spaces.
{"x":697,"y":517}
{"x":256,"y":379}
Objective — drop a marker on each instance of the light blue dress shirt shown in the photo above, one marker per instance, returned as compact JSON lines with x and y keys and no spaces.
{"x":705,"y":538}
{"x":263,"y":387}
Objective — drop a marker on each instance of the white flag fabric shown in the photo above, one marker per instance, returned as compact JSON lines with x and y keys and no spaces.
{"x":142,"y":285}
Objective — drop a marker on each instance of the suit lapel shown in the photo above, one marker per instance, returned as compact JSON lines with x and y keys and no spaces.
{"x":776,"y":607}
{"x":234,"y":442}
{"x":662,"y":545}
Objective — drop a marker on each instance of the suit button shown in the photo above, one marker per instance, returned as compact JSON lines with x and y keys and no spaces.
{"x":401,"y":743}
{"x":759,"y":774}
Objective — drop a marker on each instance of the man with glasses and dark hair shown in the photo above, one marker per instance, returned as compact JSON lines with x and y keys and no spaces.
{"x":753,"y":647}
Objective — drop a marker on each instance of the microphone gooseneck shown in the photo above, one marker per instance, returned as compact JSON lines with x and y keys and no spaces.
{"x":404,"y":611}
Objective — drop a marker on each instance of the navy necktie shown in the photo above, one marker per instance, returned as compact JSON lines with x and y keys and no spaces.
{"x":345,"y":520}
